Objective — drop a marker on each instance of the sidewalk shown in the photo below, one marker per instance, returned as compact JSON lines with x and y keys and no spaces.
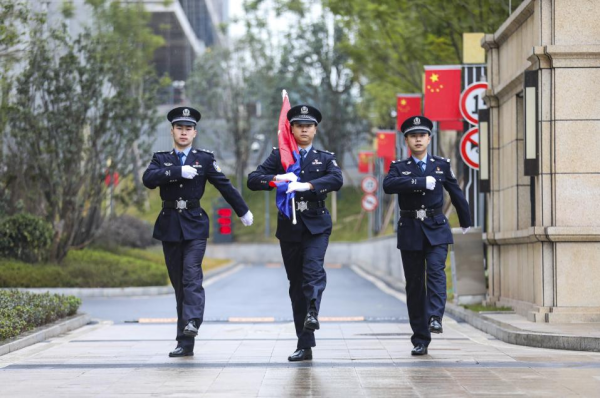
{"x":250,"y":360}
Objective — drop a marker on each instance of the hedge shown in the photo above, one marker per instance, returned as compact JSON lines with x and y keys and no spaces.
{"x":88,"y":268}
{"x":23,"y":311}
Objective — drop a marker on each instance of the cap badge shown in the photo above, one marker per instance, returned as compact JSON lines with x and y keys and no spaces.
{"x":304,"y":110}
{"x":416,"y":121}
{"x":186,"y":112}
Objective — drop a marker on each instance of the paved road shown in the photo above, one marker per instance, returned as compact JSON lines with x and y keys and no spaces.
{"x":352,"y":359}
{"x":260,"y":291}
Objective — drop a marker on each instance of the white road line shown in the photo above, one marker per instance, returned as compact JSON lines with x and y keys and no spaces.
{"x":222,"y":275}
{"x":379,"y":284}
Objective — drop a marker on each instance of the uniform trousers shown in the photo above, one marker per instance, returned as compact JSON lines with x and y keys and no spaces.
{"x":184,"y":263}
{"x":304,"y":267}
{"x":425,"y":288}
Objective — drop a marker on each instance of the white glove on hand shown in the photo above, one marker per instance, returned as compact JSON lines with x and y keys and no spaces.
{"x":430,"y":182}
{"x":298,"y":187}
{"x":247,"y":219}
{"x":188,"y":172}
{"x":465,"y":230}
{"x":286,"y":177}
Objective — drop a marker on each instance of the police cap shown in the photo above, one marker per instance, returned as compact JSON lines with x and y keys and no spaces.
{"x":184,"y":115}
{"x":304,"y":114}
{"x":416,"y":125}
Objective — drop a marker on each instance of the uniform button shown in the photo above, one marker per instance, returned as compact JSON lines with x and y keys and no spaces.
{"x":163,"y":213}
{"x":423,"y":193}
{"x":302,"y":171}
{"x":422,"y":206}
{"x":180,"y":211}
{"x":180,"y":185}
{"x":302,"y":198}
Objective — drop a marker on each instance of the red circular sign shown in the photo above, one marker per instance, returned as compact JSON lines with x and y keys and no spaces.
{"x":469,"y":148}
{"x":369,"y":184}
{"x":471,"y":101}
{"x":369,"y":202}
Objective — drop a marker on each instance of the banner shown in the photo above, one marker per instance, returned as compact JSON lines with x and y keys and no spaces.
{"x":442,"y":88}
{"x":386,"y":147}
{"x":407,"y":105}
{"x":365,"y":162}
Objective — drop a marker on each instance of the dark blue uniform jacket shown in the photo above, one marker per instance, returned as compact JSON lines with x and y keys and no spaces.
{"x":164,"y":171}
{"x":406,"y":179}
{"x":321,"y":170}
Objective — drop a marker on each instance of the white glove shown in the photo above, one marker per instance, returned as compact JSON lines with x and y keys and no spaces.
{"x":430,"y":182}
{"x":286,"y":177}
{"x":188,"y":172}
{"x":298,"y":187}
{"x":247,"y":219}
{"x":465,"y":230}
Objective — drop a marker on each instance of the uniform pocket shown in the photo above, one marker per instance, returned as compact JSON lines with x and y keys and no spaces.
{"x":440,"y":219}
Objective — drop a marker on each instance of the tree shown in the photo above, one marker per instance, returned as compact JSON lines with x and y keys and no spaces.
{"x":389,"y":41}
{"x":80,"y":106}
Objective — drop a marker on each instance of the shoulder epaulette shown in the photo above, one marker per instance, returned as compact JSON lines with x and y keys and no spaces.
{"x":325,"y":151}
{"x":205,"y":150}
{"x":162,"y":152}
{"x":440,"y":158}
{"x":274,"y":148}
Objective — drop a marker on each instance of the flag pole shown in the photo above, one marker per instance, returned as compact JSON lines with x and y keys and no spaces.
{"x":294,"y":211}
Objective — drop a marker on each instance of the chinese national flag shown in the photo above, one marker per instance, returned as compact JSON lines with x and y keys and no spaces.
{"x":407,"y":105}
{"x":386,"y":147}
{"x":456,"y":125}
{"x":442,"y":87}
{"x":365,"y":159}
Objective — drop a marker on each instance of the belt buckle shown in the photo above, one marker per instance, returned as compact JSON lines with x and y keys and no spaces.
{"x":422,"y":214}
{"x":181,"y":204}
{"x":302,"y":205}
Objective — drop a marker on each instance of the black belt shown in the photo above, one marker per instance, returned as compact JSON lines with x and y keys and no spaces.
{"x":180,"y":204}
{"x":306,"y":205}
{"x":420,"y":214}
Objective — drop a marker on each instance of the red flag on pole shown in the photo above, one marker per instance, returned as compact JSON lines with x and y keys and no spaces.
{"x":407,"y":105}
{"x":365,"y":160}
{"x":442,"y":87}
{"x":287,"y":143}
{"x":386,"y":147}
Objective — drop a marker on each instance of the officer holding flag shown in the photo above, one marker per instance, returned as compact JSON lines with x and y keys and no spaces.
{"x":309,"y":174}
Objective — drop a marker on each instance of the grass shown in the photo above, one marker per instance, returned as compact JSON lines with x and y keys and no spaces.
{"x":486,"y":308}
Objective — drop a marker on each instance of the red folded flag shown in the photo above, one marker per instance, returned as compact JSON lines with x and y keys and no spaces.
{"x":407,"y":105}
{"x":386,"y":147}
{"x":442,"y":92}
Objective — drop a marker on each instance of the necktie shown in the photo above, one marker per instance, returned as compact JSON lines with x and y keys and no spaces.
{"x":302,"y":155}
{"x":421,"y":165}
{"x":180,"y":155}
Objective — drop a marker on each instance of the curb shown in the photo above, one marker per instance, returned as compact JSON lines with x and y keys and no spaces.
{"x":45,"y":332}
{"x":504,"y":331}
{"x":87,"y":292}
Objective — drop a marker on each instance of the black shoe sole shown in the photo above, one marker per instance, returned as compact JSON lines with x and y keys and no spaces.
{"x":414,"y":354}
{"x":189,"y":333}
{"x":437,"y":331}
{"x":189,"y":354}
{"x":308,"y":358}
{"x":311,"y":328}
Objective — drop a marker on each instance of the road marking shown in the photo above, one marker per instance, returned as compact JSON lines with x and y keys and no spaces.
{"x":251,"y":319}
{"x":341,"y":318}
{"x":157,"y":320}
{"x":222,"y":275}
{"x":379,"y":284}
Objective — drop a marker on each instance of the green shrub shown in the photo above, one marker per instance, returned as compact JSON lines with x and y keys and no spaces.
{"x":23,"y":311}
{"x":88,"y":268}
{"x":25,"y":237}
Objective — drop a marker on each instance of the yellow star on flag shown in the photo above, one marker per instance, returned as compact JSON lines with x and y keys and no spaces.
{"x":434,"y":77}
{"x":402,"y":102}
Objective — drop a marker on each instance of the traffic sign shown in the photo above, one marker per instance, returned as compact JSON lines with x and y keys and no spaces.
{"x":469,"y":148}
{"x":369,"y":184}
{"x":471,"y":101}
{"x":369,"y":202}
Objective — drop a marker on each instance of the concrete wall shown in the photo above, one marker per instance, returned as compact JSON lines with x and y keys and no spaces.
{"x":550,"y":265}
{"x":379,"y":254}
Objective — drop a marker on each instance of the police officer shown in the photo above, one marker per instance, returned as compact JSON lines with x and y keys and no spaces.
{"x":182,"y":224}
{"x":303,"y":245}
{"x":423,"y":230}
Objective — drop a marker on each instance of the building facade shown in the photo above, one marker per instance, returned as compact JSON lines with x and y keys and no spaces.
{"x":543,"y":219}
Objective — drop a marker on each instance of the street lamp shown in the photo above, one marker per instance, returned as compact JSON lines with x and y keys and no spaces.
{"x":531,"y":123}
{"x":484,"y":150}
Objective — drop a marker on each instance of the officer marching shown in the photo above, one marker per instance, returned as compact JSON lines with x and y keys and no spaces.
{"x":303,"y":245}
{"x":182,"y":224}
{"x":423,"y":230}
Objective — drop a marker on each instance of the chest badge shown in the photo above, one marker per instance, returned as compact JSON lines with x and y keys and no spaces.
{"x":406,"y":173}
{"x":168,"y":164}
{"x":317,"y":161}
{"x":438,"y":171}
{"x":197,"y":165}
